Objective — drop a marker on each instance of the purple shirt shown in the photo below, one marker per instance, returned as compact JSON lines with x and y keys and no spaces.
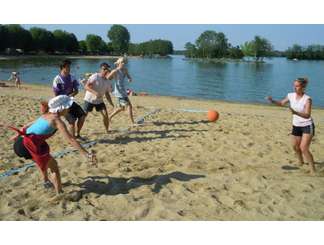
{"x":65,"y":85}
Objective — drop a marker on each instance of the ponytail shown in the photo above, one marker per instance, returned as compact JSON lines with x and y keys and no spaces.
{"x":44,"y":107}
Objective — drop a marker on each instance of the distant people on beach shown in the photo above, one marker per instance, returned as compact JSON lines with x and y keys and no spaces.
{"x":133,"y":93}
{"x":120,"y":92}
{"x":16,"y":79}
{"x":303,"y":128}
{"x":66,"y":84}
{"x":98,"y":86}
{"x":30,"y":142}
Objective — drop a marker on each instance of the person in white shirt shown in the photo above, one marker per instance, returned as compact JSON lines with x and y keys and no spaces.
{"x":303,"y":128}
{"x":97,"y":86}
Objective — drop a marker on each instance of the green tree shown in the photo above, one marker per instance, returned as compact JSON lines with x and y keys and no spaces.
{"x":190,"y":50}
{"x":211,"y":44}
{"x":248,"y":49}
{"x":119,"y":37}
{"x":83,"y":47}
{"x":262,"y":47}
{"x":18,"y":38}
{"x":311,"y":52}
{"x":95,"y":44}
{"x":3,"y":37}
{"x":235,"y":52}
{"x":258,"y":48}
{"x":65,"y":41}
{"x":42,"y":39}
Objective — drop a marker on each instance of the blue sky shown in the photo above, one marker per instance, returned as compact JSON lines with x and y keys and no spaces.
{"x":281,"y":36}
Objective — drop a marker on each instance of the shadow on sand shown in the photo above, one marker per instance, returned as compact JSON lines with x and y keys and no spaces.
{"x":161,"y":134}
{"x":115,"y":186}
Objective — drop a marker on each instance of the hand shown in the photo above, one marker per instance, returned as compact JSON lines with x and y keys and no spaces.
{"x":269,"y":98}
{"x":93,"y":159}
{"x":14,"y":138}
{"x":130,"y":80}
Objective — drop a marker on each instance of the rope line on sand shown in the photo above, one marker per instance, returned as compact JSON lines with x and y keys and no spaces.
{"x":59,"y":154}
{"x":192,"y":110}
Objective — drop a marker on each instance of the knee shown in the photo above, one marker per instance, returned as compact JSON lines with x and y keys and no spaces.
{"x":53,"y":165}
{"x":304,"y":149}
{"x":297,"y":148}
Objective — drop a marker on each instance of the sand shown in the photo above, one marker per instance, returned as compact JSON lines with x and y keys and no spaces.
{"x":176,"y":166}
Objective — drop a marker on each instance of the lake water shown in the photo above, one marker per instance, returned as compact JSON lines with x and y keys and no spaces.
{"x":241,"y":82}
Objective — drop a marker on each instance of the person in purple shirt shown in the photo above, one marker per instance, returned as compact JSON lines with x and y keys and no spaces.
{"x":66,"y":84}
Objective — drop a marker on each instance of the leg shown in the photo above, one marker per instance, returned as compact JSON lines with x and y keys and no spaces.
{"x":130,"y":111}
{"x":296,"y":140}
{"x":116,"y":111}
{"x":105,"y":118}
{"x":43,"y":173}
{"x":72,"y":129}
{"x":80,"y":124}
{"x":304,"y":146}
{"x":55,"y":177}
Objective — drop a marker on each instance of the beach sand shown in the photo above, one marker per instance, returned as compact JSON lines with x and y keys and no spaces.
{"x":176,"y":166}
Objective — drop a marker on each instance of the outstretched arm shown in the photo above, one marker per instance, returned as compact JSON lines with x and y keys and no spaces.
{"x":278,"y":102}
{"x":112,"y":74}
{"x":63,"y":130}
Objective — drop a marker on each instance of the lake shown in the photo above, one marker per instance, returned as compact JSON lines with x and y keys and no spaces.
{"x":240,"y":82}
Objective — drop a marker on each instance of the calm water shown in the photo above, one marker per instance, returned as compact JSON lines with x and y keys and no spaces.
{"x":244,"y":82}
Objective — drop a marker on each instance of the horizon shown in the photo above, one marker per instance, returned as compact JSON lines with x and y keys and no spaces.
{"x":281,"y":36}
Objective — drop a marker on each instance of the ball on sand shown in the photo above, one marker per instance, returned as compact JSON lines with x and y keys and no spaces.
{"x":212,"y":115}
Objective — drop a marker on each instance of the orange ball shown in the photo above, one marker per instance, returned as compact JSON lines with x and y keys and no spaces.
{"x":212,"y":115}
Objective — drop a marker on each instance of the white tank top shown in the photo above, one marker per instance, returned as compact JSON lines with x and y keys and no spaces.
{"x":299,"y":106}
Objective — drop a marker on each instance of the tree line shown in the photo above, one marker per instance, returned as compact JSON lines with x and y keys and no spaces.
{"x":212,"y":44}
{"x":310,"y":52}
{"x":40,"y":40}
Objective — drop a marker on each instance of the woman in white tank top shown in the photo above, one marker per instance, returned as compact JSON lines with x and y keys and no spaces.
{"x":303,"y":128}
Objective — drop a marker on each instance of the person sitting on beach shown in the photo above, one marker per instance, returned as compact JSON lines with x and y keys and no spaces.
{"x":96,"y":87}
{"x":66,"y":84}
{"x":120,"y":91}
{"x":303,"y":128}
{"x":30,"y":142}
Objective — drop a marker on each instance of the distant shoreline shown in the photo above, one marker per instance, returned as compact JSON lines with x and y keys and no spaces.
{"x":15,"y":57}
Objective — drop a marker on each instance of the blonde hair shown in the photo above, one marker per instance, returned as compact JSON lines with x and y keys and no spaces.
{"x":121,"y":60}
{"x":303,"y":81}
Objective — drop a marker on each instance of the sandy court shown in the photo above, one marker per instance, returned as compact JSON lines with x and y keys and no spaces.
{"x":176,"y":166}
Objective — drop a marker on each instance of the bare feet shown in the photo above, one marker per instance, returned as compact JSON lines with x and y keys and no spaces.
{"x":79,"y":137}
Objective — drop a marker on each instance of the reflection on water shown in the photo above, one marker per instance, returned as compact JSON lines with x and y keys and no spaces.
{"x":237,"y":81}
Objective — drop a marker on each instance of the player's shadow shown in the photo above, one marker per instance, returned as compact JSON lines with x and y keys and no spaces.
{"x":160,"y":134}
{"x":289,"y":167}
{"x":115,"y":185}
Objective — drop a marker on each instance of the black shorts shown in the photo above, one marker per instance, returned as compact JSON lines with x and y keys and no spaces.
{"x":20,"y":149}
{"x":74,"y":113}
{"x":88,"y":107}
{"x":299,"y":131}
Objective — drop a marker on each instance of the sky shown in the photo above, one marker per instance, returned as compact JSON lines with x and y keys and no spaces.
{"x":281,"y":36}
